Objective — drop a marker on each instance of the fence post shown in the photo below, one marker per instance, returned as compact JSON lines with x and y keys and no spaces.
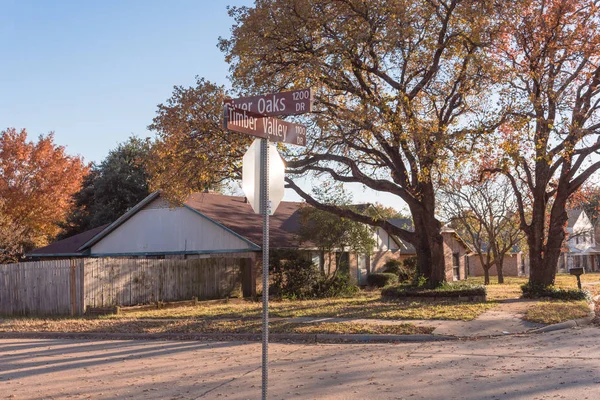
{"x":248,"y":278}
{"x":81,"y":286}
{"x":73,"y":287}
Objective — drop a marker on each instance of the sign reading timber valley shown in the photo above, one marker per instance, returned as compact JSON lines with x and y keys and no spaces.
{"x":282,"y":103}
{"x":254,"y":124}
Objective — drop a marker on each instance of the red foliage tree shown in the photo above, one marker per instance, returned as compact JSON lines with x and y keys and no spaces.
{"x":37,"y":181}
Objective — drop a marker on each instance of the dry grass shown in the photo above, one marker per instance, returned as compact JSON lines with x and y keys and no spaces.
{"x":369,"y":305}
{"x":511,"y":289}
{"x":553,"y":312}
{"x":188,"y":326}
{"x":589,"y":281}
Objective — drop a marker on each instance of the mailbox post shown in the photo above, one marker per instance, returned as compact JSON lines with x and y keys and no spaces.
{"x":577,"y":272}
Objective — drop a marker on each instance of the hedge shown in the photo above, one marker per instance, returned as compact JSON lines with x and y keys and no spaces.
{"x":533,"y":292}
{"x":382,"y":279}
{"x":446,"y":290}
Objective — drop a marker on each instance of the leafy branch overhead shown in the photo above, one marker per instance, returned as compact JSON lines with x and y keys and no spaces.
{"x":397,"y":93}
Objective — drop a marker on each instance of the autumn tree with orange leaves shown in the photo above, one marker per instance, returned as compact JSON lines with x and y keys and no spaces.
{"x":37,"y":180}
{"x":548,"y":56}
{"x":192,"y":151}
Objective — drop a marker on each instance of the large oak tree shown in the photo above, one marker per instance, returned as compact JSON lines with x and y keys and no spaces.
{"x":397,"y":83}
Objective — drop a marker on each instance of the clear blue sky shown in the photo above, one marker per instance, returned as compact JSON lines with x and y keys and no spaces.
{"x":94,"y":71}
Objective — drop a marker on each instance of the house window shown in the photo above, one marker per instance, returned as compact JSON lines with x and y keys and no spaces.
{"x":456,"y":266}
{"x":315,"y":257}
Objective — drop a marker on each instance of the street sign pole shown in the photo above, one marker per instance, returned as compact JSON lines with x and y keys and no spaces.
{"x":254,"y":116}
{"x":264,"y":188}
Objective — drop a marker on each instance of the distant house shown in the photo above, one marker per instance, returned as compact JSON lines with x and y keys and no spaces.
{"x":580,"y":249}
{"x":214,"y":225}
{"x":391,"y":247}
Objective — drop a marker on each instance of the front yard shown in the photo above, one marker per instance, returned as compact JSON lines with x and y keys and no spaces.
{"x":367,"y":305}
{"x":241,"y":316}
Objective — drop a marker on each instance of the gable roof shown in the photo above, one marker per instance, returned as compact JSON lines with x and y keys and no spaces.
{"x":67,"y":247}
{"x":236,"y":214}
{"x":119,"y":221}
{"x":573,"y":216}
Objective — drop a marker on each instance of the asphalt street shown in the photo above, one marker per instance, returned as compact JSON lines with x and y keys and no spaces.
{"x":557,"y":365}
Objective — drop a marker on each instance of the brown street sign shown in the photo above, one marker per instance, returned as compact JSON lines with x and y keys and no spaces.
{"x":254,"y":124}
{"x":282,"y":103}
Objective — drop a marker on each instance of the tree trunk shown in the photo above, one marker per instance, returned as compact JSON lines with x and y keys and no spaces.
{"x":499,"y":270}
{"x":429,"y":247}
{"x":543,"y":257}
{"x":486,"y":274}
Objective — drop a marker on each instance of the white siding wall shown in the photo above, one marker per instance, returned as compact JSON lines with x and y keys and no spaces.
{"x":156,"y":230}
{"x":582,"y":233}
{"x":384,"y":241}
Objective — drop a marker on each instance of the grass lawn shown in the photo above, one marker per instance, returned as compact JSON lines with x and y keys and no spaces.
{"x":368,"y":305}
{"x":511,"y":289}
{"x":239,"y":316}
{"x":187,"y":326}
{"x":552,"y":312}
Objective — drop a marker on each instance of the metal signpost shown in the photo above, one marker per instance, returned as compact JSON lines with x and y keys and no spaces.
{"x":253,"y":116}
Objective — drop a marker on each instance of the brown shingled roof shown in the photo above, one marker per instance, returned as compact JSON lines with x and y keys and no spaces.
{"x":67,"y":246}
{"x":234,"y":213}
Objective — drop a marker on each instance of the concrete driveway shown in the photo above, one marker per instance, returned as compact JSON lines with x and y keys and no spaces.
{"x":559,"y":365}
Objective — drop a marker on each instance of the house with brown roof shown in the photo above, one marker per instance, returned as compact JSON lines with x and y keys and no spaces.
{"x":215,"y":225}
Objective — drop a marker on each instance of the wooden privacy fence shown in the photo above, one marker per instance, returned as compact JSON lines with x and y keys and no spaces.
{"x":41,"y":288}
{"x":63,"y":287}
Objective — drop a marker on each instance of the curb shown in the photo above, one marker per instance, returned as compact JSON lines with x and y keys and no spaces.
{"x":249,"y":337}
{"x":572,"y":323}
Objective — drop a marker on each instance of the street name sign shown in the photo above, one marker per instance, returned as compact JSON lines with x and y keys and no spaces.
{"x":283,"y":103}
{"x":254,"y":124}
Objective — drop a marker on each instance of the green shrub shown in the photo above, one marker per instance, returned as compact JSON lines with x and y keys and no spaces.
{"x":339,"y":285}
{"x":392,"y":266}
{"x":446,"y":290}
{"x":537,"y":291}
{"x":296,"y":277}
{"x":405,"y":271}
{"x":382,"y":279}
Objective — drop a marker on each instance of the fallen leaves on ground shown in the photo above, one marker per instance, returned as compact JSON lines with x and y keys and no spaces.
{"x":187,"y":326}
{"x":370,"y":306}
{"x":553,"y":312}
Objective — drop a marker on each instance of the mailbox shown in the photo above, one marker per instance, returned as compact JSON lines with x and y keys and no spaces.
{"x":576,"y":271}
